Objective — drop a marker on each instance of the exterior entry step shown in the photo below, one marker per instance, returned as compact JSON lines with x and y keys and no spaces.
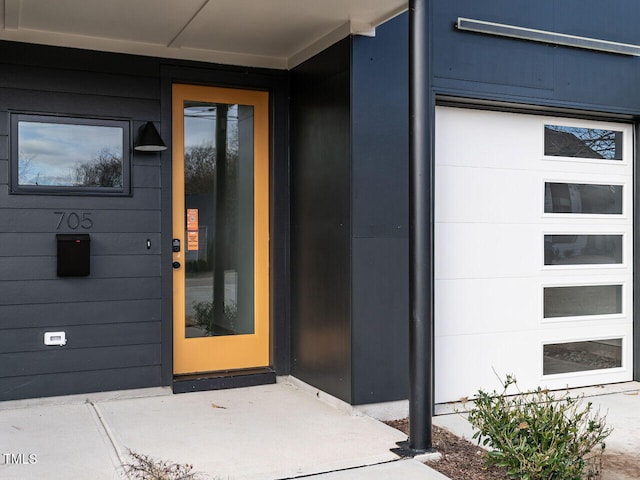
{"x":222,"y":380}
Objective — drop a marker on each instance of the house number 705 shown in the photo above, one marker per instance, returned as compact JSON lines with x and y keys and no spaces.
{"x":73,"y":220}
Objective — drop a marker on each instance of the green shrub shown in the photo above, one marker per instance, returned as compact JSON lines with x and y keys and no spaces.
{"x":537,"y":436}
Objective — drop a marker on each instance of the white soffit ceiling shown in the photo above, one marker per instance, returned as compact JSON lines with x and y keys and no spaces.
{"x":260,"y":33}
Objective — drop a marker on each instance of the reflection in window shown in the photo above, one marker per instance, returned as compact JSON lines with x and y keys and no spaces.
{"x":69,"y":155}
{"x":561,"y":141}
{"x":582,"y":198}
{"x":582,"y":249}
{"x":218,"y":182}
{"x":582,"y":356}
{"x":582,"y":300}
{"x":52,"y":154}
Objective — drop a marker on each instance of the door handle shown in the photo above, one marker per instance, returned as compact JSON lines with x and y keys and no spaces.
{"x":176,"y":264}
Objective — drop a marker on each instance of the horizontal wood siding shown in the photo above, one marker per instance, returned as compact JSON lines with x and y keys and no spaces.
{"x":102,"y":266}
{"x":34,"y":244}
{"x":79,"y":313}
{"x":67,"y":383}
{"x":112,"y":318}
{"x":89,"y":336}
{"x":45,"y":219}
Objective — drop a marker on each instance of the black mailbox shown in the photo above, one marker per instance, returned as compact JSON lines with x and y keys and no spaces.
{"x":73,"y":254}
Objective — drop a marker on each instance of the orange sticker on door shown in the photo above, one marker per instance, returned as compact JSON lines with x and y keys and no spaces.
{"x":192,"y":219}
{"x":192,"y":240}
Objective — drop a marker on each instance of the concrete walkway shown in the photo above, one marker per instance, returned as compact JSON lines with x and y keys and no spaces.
{"x":259,"y":433}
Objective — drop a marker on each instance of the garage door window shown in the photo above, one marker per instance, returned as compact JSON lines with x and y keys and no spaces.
{"x":582,"y":198}
{"x":582,"y":249}
{"x":582,"y":356}
{"x":577,"y":301}
{"x":578,"y":142}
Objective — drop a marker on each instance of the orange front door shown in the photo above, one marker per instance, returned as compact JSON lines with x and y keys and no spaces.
{"x":221,"y":228}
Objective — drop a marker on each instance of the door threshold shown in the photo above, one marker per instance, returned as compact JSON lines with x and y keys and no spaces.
{"x":200,"y":382}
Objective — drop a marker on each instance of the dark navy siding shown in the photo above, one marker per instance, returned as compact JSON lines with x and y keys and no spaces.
{"x":118,"y":320}
{"x":112,"y":318}
{"x":489,"y":67}
{"x":321,"y":221}
{"x":349,"y":219}
{"x":380,"y":215}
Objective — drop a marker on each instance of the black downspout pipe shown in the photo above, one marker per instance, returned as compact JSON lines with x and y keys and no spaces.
{"x":421,"y":228}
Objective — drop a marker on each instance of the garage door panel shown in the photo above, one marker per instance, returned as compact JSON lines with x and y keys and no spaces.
{"x":515,"y":141}
{"x":486,"y":195}
{"x":513,"y":218}
{"x":483,"y":306}
{"x":482,"y":250}
{"x":470,"y":362}
{"x":503,"y":145}
{"x":490,"y":195}
{"x":467,"y":363}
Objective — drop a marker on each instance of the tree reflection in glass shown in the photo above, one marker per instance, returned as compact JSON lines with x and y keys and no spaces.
{"x":562,"y":141}
{"x":218,"y":177}
{"x":69,"y":155}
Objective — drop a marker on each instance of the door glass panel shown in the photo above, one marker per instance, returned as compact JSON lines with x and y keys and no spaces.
{"x":583,"y":300}
{"x":562,"y":141}
{"x":582,"y":356}
{"x":582,"y":249}
{"x":582,"y":198}
{"x":218,"y":176}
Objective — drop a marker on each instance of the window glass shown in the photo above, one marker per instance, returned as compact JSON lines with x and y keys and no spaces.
{"x":562,"y":141}
{"x":219,"y":201}
{"x":582,"y":249}
{"x":582,"y":356}
{"x":582,"y":300}
{"x":69,"y":154}
{"x":582,"y":198}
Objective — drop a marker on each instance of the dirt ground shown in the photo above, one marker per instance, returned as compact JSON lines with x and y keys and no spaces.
{"x":620,"y":466}
{"x":463,"y":460}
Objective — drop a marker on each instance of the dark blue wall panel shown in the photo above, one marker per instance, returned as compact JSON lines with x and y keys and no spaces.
{"x":321,"y":221}
{"x":380,"y":319}
{"x":488,"y":67}
{"x":380,"y":150}
{"x":616,"y":21}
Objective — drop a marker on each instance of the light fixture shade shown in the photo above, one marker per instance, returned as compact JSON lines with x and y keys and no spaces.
{"x":149,"y":139}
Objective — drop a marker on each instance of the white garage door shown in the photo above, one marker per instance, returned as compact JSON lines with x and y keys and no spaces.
{"x":533,"y":251}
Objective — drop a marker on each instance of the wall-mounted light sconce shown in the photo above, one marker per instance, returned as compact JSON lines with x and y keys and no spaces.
{"x":149,"y":140}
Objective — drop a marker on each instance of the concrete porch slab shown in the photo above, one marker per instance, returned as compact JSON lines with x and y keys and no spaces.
{"x":55,"y":441}
{"x":401,"y":470}
{"x":255,"y":433}
{"x":269,"y":432}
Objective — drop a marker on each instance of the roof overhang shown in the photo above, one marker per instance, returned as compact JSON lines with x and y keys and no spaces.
{"x":258,"y":33}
